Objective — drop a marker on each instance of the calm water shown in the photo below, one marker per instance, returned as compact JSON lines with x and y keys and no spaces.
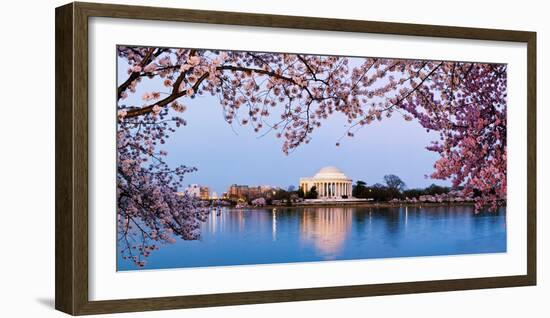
{"x":236,"y":237}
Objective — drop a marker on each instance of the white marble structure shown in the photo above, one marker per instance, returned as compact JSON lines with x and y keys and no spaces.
{"x":330,"y":182}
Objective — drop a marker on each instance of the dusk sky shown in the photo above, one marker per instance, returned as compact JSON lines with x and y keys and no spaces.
{"x":226,"y":154}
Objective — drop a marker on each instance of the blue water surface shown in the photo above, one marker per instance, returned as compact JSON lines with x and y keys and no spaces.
{"x":286,"y":235}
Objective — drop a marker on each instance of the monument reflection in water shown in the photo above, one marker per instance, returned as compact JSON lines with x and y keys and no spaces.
{"x":286,"y":235}
{"x":326,"y":229}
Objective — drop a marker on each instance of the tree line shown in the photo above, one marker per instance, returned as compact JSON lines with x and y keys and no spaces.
{"x":393,"y":188}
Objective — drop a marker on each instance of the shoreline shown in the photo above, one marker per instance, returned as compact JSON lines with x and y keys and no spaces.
{"x":358,"y":205}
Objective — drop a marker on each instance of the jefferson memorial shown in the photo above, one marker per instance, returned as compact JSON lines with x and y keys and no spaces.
{"x":330,"y":183}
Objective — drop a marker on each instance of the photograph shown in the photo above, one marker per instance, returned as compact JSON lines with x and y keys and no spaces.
{"x":229,"y":158}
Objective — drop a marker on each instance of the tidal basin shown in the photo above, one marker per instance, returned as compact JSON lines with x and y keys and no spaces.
{"x":286,"y":235}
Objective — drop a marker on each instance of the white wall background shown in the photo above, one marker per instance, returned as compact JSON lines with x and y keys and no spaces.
{"x":27,"y":158}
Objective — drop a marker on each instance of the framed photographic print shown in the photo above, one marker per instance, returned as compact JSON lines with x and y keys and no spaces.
{"x":219,"y":158}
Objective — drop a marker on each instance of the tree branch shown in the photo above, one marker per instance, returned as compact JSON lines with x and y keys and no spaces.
{"x":176,"y":94}
{"x":135,"y":75}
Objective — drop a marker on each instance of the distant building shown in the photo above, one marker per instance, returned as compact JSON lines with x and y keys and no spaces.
{"x":237,"y":192}
{"x":255,"y":192}
{"x":268,"y":188}
{"x":204,"y":193}
{"x":330,"y":183}
{"x":198,"y":191}
{"x":193,"y":190}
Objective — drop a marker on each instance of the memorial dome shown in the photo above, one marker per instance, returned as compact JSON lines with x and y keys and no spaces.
{"x":330,"y":172}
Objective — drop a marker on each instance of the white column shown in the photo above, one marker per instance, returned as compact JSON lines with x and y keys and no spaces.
{"x":343,"y":188}
{"x":346,"y":188}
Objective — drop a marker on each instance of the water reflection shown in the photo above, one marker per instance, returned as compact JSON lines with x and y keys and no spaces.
{"x":326,"y":229}
{"x":274,"y":224}
{"x":261,"y":236}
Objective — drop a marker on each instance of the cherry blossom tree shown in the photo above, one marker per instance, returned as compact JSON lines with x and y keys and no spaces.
{"x":289,"y":96}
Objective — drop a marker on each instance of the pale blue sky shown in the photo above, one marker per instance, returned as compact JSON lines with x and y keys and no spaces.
{"x":225,"y":156}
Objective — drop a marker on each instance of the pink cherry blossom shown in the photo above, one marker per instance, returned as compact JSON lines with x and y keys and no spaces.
{"x":290,"y":96}
{"x":194,"y":60}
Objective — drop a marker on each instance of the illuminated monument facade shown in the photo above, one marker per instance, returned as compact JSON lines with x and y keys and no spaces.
{"x":330,"y":183}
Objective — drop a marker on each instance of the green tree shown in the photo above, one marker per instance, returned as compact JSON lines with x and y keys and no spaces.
{"x":435,"y":189}
{"x":381,"y":193}
{"x":413,"y":193}
{"x":312,"y":193}
{"x":281,"y":194}
{"x":394,"y":182}
{"x":359,"y":189}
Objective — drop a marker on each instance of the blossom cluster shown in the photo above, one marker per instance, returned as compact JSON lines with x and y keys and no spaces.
{"x":291,"y":95}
